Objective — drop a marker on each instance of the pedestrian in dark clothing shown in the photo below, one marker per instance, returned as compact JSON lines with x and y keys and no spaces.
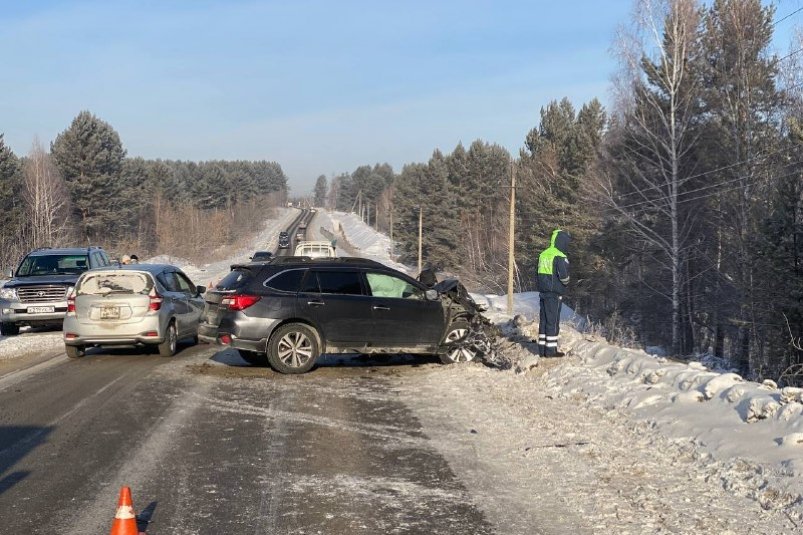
{"x":553,"y":276}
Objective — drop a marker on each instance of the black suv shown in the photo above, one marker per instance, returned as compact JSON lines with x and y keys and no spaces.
{"x":38,"y":290}
{"x":291,"y":309}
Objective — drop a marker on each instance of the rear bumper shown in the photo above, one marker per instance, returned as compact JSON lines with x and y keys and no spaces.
{"x":75,"y":333}
{"x":240,"y":332}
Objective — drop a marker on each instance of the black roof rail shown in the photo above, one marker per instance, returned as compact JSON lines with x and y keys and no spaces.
{"x":42,"y":248}
{"x":348,"y":260}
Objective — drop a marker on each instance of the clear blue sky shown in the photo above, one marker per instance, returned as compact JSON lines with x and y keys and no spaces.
{"x":319,"y":86}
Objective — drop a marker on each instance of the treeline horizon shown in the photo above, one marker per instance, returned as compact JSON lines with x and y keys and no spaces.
{"x":85,"y":190}
{"x":684,"y":200}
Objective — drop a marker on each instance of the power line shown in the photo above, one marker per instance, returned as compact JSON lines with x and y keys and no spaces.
{"x":707,"y":186}
{"x":710,"y":171}
{"x":798,"y":10}
{"x":706,"y":195}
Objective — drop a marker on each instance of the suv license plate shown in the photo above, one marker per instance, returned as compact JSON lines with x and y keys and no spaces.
{"x":41,"y":310}
{"x":110,"y":313}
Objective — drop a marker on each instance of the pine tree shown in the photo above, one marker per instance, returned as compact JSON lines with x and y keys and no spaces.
{"x":89,"y":155}
{"x":320,"y":191}
{"x":742,"y":104}
{"x":11,"y":216}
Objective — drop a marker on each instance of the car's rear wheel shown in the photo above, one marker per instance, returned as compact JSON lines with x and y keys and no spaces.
{"x":253,"y":358}
{"x":293,"y":348}
{"x":457,"y":332}
{"x":74,"y":352}
{"x":9,"y":329}
{"x":168,"y":347}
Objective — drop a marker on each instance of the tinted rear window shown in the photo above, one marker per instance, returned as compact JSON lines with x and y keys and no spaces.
{"x":287,"y":281}
{"x":236,"y":278}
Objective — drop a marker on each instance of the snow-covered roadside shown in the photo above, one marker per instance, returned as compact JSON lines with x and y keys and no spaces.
{"x":25,"y":343}
{"x":372,"y":244}
{"x":265,"y":240}
{"x":749,"y":435}
{"x":681,"y":434}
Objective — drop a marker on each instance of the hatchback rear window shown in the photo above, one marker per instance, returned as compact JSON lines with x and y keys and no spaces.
{"x":237,"y":278}
{"x":114,"y":283}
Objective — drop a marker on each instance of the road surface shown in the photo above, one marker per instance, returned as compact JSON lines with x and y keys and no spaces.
{"x":211,"y":445}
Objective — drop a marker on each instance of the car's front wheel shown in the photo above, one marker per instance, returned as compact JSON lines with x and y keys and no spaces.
{"x":168,"y":347}
{"x":456,"y":350}
{"x":9,"y":329}
{"x":74,"y":352}
{"x":293,"y":348}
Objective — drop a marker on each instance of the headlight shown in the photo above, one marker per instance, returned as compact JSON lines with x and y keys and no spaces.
{"x":8,"y":293}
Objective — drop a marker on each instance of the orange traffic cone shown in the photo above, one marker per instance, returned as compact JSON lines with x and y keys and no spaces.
{"x":125,"y":521}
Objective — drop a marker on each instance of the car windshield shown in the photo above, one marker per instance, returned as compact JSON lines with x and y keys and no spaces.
{"x":52,"y":264}
{"x":114,"y":283}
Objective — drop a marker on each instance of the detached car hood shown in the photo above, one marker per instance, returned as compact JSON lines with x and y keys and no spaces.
{"x":40,"y":280}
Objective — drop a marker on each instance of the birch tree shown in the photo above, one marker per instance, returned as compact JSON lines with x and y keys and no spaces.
{"x":654,"y":164}
{"x":46,"y":200}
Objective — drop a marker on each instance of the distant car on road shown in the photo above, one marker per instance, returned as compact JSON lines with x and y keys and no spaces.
{"x":315,"y":249}
{"x":152,"y":305}
{"x":36,"y":294}
{"x":261,"y":256}
{"x":284,"y":240}
{"x":290,"y":311}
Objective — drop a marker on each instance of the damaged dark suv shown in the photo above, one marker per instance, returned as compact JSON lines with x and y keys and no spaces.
{"x":288,"y":311}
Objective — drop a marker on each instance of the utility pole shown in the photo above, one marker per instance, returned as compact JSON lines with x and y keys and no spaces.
{"x":391,"y":225}
{"x":511,"y":239}
{"x":420,"y":235}
{"x":376,"y":216}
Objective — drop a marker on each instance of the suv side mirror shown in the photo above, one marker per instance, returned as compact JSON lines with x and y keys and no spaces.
{"x":200,"y":289}
{"x":431,"y":295}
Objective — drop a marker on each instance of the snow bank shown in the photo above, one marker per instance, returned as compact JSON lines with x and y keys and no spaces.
{"x":371,"y":243}
{"x":753,"y":432}
{"x":22,"y":344}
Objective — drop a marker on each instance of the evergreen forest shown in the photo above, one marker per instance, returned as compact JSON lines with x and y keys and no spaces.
{"x":684,"y":199}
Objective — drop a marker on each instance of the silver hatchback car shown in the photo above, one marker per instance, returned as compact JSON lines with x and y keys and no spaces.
{"x":143,"y":304}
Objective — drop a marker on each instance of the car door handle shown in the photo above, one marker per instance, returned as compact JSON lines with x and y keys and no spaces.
{"x":315,"y":303}
{"x":378,"y":307}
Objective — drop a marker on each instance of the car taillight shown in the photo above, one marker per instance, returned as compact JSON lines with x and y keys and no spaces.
{"x":71,"y":303}
{"x":239,"y":302}
{"x":155,"y":300}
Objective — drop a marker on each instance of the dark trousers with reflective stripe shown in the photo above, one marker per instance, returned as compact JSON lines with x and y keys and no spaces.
{"x":549,"y":323}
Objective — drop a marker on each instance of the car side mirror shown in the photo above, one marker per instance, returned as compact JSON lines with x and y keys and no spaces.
{"x":201,"y":289}
{"x":431,"y":295}
{"x":10,"y":273}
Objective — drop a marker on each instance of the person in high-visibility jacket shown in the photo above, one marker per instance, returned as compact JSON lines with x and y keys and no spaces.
{"x":553,"y":277}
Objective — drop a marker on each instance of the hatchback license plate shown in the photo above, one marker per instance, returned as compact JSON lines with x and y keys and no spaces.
{"x":41,"y":310}
{"x":110,"y":313}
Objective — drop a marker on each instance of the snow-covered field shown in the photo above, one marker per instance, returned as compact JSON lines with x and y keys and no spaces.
{"x":645,"y":444}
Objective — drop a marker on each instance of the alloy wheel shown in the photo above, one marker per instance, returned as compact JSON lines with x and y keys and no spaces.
{"x":295,"y":349}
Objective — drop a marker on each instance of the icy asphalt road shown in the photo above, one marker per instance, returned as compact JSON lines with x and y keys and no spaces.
{"x":218,"y":447}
